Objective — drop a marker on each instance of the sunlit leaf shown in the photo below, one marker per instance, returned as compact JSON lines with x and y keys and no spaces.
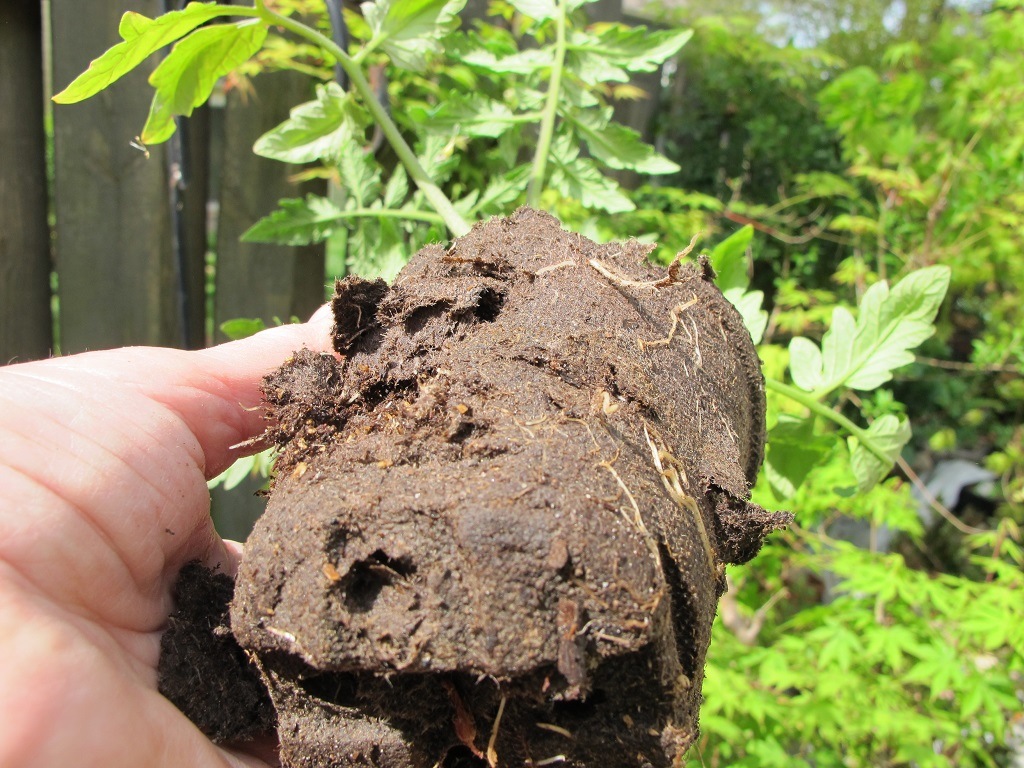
{"x":888,"y":433}
{"x":409,"y":30}
{"x":862,"y":354}
{"x":617,"y":146}
{"x":324,"y":129}
{"x":296,"y":222}
{"x":730,"y":261}
{"x":185,"y":79}
{"x":142,"y":36}
{"x":579,"y":178}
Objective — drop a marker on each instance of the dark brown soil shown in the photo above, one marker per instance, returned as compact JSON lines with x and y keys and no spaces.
{"x":501,"y":520}
{"x":202,"y":669}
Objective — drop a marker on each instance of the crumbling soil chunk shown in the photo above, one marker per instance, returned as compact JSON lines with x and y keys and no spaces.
{"x":202,"y":669}
{"x":502,"y":515}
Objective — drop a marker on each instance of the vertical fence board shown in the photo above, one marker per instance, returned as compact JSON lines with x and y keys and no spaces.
{"x":113,"y":252}
{"x":25,"y":330}
{"x":254,"y":279}
{"x":194,"y":195}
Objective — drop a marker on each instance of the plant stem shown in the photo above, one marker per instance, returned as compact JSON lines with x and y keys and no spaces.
{"x":809,"y":401}
{"x":547,"y":123}
{"x":435,"y":196}
{"x":392,"y":213}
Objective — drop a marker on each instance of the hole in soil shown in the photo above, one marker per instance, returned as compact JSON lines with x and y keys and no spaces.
{"x":461,"y":757}
{"x":464,"y":430}
{"x":367,"y":578}
{"x":489,"y":305}
{"x":584,"y":709}
{"x":337,"y":689}
{"x":420,"y":316}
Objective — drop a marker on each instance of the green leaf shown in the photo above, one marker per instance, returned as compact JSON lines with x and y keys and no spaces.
{"x":618,"y":50}
{"x":805,"y":363}
{"x":579,"y":178}
{"x":888,"y":433}
{"x":616,"y":145}
{"x":539,"y":10}
{"x":523,"y":63}
{"x":296,"y":222}
{"x":749,"y":305}
{"x":470,"y":115}
{"x":242,"y":327}
{"x":793,"y":451}
{"x":862,"y":354}
{"x":858,"y":225}
{"x":502,"y":194}
{"x":409,"y":30}
{"x":257,"y":465}
{"x":729,"y":259}
{"x":142,"y":37}
{"x":360,"y":175}
{"x":437,"y":156}
{"x":397,"y":188}
{"x":185,"y":79}
{"x":325,"y":129}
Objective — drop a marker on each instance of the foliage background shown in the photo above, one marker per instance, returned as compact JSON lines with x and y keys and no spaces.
{"x":836,"y":145}
{"x":821,"y":148}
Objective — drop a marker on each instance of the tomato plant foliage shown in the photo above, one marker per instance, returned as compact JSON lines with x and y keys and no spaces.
{"x":834,"y":205}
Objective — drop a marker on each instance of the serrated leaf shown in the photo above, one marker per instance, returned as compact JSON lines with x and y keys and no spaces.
{"x":729,"y":259}
{"x":142,"y":37}
{"x":324,"y":129}
{"x":185,"y":79}
{"x":360,"y":175}
{"x":862,"y":354}
{"x":617,"y":50}
{"x":397,"y":188}
{"x":888,"y":433}
{"x":522,"y":63}
{"x":793,"y":451}
{"x":471,"y":116}
{"x":617,"y":146}
{"x":579,"y":178}
{"x":539,"y":10}
{"x":296,"y":222}
{"x":437,"y":156}
{"x":409,"y":30}
{"x":502,"y":194}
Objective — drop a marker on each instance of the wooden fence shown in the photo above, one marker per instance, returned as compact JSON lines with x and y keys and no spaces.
{"x":107,"y":246}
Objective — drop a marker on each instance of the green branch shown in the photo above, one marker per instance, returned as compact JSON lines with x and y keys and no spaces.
{"x":435,"y":196}
{"x":547,"y":125}
{"x":392,"y":213}
{"x":818,"y":408}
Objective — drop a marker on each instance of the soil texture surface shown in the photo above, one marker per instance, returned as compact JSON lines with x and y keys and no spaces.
{"x":503,"y":511}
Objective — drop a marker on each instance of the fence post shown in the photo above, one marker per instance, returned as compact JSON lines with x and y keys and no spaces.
{"x":25,"y":328}
{"x":113,"y":248}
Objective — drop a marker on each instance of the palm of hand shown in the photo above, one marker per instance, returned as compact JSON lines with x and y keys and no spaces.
{"x":103,"y":465}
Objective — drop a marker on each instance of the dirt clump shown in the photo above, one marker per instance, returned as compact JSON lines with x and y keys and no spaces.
{"x":202,"y":669}
{"x":502,"y":514}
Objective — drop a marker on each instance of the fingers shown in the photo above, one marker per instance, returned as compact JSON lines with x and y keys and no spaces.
{"x":232,"y":373}
{"x":115,"y":445}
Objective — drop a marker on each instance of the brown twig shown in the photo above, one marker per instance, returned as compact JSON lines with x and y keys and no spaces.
{"x":933,"y":502}
{"x":953,"y":365}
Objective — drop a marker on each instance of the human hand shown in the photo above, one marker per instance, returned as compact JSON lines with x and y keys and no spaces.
{"x":104,"y":459}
